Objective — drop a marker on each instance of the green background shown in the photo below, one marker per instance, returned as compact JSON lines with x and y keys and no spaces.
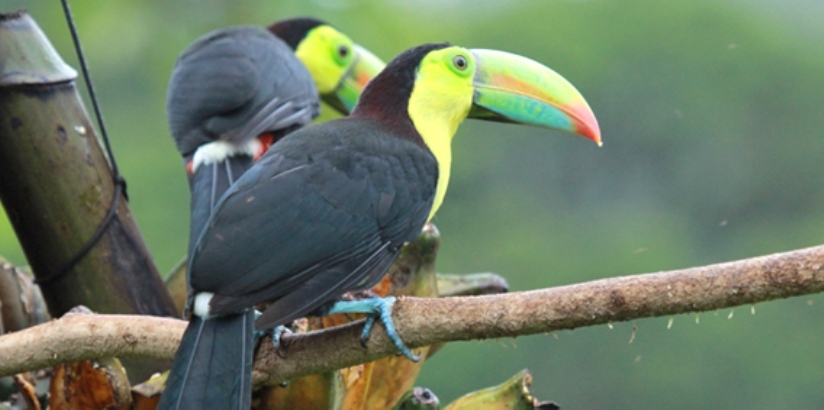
{"x":711,"y":118}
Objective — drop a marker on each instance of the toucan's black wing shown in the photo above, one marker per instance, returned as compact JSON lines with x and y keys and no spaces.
{"x":234,"y":84}
{"x":320,"y":214}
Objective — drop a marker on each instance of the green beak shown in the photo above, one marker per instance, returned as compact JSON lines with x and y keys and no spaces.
{"x":511,"y":88}
{"x":364,"y":67}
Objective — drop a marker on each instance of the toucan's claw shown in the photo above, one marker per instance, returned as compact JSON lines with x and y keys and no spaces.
{"x":367,"y":330}
{"x":276,"y":333}
{"x":376,"y":308}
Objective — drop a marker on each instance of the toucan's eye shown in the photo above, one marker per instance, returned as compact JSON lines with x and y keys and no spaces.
{"x":460,"y":62}
{"x":343,"y":51}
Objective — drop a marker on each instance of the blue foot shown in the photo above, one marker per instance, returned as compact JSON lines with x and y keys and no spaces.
{"x":276,"y":333}
{"x":376,"y":308}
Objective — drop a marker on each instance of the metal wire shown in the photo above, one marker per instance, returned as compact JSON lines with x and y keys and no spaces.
{"x":119,"y":181}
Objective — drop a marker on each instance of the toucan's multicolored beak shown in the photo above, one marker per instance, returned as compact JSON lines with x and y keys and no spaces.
{"x":364,"y":67}
{"x":511,"y":88}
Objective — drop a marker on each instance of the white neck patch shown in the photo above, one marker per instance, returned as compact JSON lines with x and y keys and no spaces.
{"x":219,"y":150}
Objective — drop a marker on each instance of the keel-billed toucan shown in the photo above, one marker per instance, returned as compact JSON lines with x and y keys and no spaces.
{"x":232,"y":93}
{"x":235,"y":91}
{"x":327,"y":209}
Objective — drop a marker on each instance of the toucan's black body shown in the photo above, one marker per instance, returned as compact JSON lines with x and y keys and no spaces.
{"x":330,"y":206}
{"x":325,"y":211}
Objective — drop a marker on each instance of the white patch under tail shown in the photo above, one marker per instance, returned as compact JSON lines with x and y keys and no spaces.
{"x":201,"y":305}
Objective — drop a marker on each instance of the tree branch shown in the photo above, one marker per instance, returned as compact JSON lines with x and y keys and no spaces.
{"x":422,"y":322}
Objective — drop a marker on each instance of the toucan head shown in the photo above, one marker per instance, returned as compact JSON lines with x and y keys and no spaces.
{"x":445,"y":84}
{"x":339,"y":67}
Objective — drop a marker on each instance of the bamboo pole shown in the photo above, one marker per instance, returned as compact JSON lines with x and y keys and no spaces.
{"x":57,"y":186}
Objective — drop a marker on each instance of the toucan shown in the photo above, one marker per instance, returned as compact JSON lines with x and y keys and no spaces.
{"x":232,"y":93}
{"x":326,"y":210}
{"x":235,"y":91}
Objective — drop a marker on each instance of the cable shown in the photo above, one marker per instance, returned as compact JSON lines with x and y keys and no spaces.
{"x":119,"y":181}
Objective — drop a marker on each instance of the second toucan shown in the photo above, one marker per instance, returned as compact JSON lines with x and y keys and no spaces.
{"x":235,"y":91}
{"x":232,"y":93}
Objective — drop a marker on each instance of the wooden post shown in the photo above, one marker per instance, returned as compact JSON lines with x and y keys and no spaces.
{"x":57,"y":186}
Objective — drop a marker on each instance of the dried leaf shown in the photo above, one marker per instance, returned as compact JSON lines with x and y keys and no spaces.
{"x":146,"y":395}
{"x":25,"y":385}
{"x":89,"y":385}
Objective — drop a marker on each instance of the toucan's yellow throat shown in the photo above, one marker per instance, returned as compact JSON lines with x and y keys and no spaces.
{"x":441,"y":98}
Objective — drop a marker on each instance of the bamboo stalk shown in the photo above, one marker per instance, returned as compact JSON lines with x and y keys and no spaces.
{"x":57,"y":186}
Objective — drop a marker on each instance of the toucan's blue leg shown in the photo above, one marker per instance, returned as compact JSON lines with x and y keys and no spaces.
{"x":376,"y":308}
{"x":275,"y":332}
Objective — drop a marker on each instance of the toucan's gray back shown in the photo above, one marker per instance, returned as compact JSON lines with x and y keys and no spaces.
{"x":234,"y":84}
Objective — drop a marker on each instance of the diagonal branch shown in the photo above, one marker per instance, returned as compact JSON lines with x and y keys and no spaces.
{"x":422,"y":322}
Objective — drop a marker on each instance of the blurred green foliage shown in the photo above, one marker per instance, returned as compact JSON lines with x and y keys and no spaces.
{"x":711,"y":116}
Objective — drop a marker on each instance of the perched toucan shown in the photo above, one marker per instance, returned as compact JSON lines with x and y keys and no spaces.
{"x":235,"y":91}
{"x":232,"y":93}
{"x":326,"y":209}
